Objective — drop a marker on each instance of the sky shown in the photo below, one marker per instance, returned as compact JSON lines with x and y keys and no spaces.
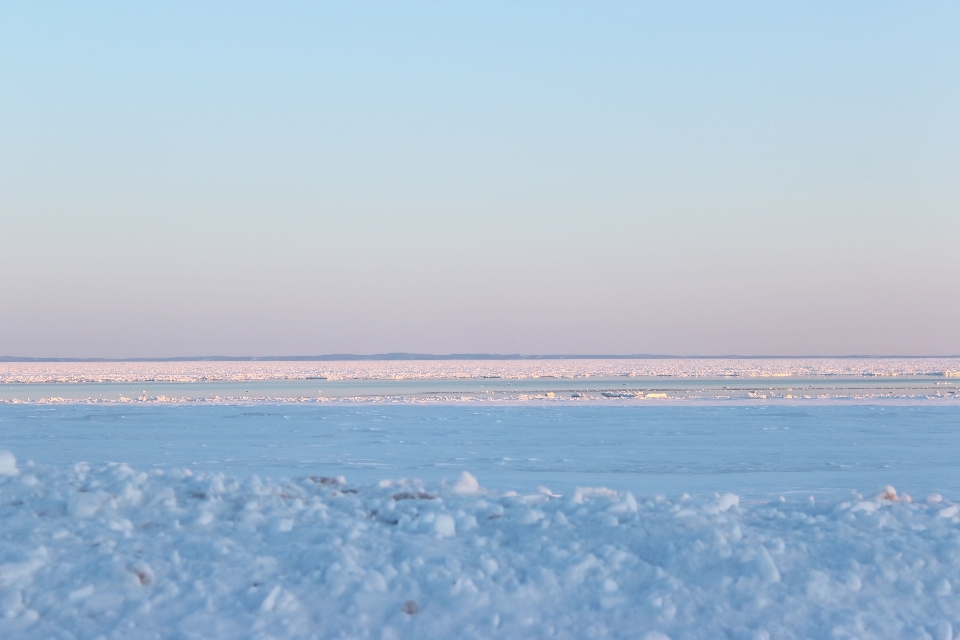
{"x":499,"y":177}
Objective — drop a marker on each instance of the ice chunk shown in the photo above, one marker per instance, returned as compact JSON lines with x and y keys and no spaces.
{"x":584,"y":493}
{"x":628,"y":504}
{"x":547,"y":492}
{"x":767,"y":567}
{"x":949,"y":512}
{"x":467,"y":485}
{"x":728,"y":500}
{"x":81,"y":594}
{"x":943,"y":631}
{"x":889,"y":493}
{"x":445,"y":526}
{"x":84,"y":504}
{"x":8,"y":464}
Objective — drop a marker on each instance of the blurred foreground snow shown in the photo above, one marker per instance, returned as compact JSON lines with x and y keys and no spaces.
{"x":110,"y":551}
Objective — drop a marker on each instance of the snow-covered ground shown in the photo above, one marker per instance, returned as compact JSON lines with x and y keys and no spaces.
{"x":89,"y":551}
{"x":617,"y":514}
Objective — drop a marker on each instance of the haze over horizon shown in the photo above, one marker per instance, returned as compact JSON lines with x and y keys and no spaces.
{"x":527,"y":178}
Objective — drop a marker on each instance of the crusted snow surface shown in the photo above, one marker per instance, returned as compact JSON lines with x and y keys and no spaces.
{"x":109,"y":551}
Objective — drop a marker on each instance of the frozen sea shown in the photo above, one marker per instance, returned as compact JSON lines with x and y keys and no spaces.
{"x":648,"y":499}
{"x":758,"y":451}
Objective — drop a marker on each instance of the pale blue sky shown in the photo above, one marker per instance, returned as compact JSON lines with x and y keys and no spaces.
{"x":685,"y":178}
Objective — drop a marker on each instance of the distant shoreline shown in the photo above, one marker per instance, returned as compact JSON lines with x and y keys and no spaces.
{"x":350,"y":357}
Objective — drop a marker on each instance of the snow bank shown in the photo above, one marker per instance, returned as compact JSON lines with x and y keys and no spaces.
{"x":112,"y":552}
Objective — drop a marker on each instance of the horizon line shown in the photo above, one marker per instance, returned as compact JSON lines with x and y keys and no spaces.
{"x":351,"y":357}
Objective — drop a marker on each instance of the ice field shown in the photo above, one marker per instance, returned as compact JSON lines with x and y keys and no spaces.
{"x":759,"y":451}
{"x":689,"y":506}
